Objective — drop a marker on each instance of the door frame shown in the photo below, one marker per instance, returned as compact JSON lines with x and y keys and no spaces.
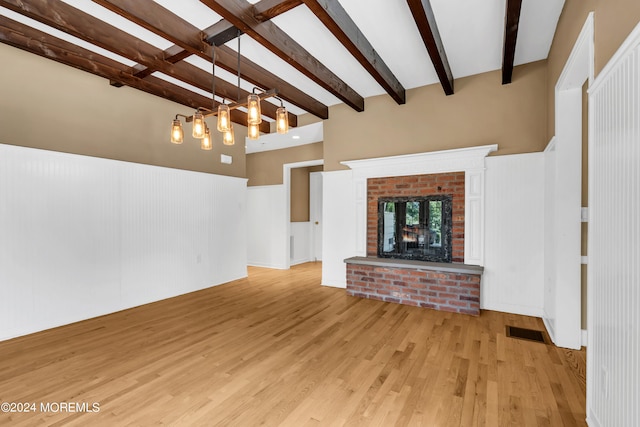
{"x":286,"y":180}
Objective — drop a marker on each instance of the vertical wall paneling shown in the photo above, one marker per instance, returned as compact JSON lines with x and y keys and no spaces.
{"x":549,"y":312}
{"x":300,"y":242}
{"x":613,"y":384}
{"x":340,"y":218}
{"x":267,"y":235}
{"x":81,"y":237}
{"x":513,"y":278}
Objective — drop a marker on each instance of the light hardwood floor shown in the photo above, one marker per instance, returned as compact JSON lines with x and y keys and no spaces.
{"x":279,"y":349}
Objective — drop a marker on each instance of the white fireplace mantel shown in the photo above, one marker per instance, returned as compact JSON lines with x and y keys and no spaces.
{"x":468,"y":160}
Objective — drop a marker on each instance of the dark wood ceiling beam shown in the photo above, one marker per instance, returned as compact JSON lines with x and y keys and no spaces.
{"x":240,"y":14}
{"x":426,"y":22}
{"x":268,"y":9}
{"x":31,"y":40}
{"x":77,"y":23}
{"x":171,"y":55}
{"x":511,"y":23}
{"x":338,"y":21}
{"x":175,"y":54}
{"x":162,"y":22}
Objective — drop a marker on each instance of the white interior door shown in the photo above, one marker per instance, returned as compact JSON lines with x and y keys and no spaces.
{"x":315,"y":214}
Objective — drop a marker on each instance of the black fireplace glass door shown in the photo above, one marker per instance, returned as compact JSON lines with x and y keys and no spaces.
{"x":415,"y":228}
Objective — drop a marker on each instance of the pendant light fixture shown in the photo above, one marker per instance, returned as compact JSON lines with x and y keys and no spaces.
{"x":177,"y":134}
{"x":223,"y":110}
{"x":224,"y":118}
{"x":198,"y":125}
{"x":206,"y":143}
{"x":282,"y":119}
{"x":253,"y":132}
{"x":227,"y":137}
{"x":254,"y":115}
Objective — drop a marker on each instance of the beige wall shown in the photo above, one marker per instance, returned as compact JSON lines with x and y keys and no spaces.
{"x":614,"y":21}
{"x":482,"y":111}
{"x":52,"y":106}
{"x":300,"y":193}
{"x":265,"y":168}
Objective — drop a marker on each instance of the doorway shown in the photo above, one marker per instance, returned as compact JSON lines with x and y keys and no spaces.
{"x":298,"y":244}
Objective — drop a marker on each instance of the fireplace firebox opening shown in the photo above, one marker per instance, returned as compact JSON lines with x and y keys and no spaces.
{"x":417,"y":228}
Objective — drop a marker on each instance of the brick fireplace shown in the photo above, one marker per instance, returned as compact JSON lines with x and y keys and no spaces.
{"x":418,"y":185}
{"x":443,"y":286}
{"x":454,"y":286}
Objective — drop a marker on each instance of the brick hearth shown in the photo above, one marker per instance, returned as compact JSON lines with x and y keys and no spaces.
{"x":447,"y":287}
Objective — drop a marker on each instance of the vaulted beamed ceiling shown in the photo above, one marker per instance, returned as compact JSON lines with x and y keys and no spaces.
{"x":316,"y":53}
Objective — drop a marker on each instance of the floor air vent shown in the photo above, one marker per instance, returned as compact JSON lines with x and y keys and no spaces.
{"x":525,"y":334}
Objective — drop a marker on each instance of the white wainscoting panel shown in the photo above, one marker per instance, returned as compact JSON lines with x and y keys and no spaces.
{"x":613,"y":369}
{"x":513,"y":278}
{"x":300,"y":242}
{"x":81,"y":237}
{"x":550,"y":168}
{"x":338,"y":234}
{"x":266,"y":226}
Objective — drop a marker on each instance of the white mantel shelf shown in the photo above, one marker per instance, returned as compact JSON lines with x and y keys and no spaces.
{"x":459,"y":159}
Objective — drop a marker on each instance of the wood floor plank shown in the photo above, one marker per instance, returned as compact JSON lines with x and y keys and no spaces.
{"x":279,"y":349}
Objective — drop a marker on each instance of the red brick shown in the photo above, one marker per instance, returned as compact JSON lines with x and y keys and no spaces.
{"x":459,"y":303}
{"x":447,"y":283}
{"x":447,"y":295}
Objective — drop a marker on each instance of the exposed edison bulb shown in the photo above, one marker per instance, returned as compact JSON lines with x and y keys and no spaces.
{"x":282,"y":120}
{"x":206,"y":143}
{"x":198,"y":125}
{"x":177,"y":135}
{"x":224,"y":119}
{"x":254,"y":132}
{"x":227,"y":137}
{"x":254,"y":115}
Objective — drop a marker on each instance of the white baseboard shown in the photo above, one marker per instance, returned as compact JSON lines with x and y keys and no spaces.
{"x":299,"y":261}
{"x":514,"y":309}
{"x":550,"y":329}
{"x":592,"y":420}
{"x":584,"y":338}
{"x":259,"y":264}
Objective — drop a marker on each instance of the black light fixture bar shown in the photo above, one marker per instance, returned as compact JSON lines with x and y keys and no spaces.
{"x":209,"y":113}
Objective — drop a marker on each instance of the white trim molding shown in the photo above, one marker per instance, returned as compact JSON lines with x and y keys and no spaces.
{"x":468,"y":160}
{"x":456,"y":160}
